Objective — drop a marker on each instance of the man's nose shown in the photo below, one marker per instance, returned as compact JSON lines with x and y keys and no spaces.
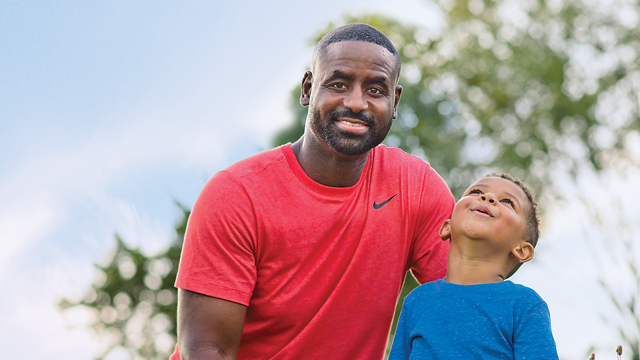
{"x":355,"y":100}
{"x":490,"y":198}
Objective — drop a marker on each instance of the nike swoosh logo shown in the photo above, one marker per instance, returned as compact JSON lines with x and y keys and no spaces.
{"x":378,"y":206}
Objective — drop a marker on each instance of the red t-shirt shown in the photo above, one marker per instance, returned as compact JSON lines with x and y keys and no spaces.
{"x":320,"y":268}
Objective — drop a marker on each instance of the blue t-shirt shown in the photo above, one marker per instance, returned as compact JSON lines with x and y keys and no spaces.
{"x":440,"y":320}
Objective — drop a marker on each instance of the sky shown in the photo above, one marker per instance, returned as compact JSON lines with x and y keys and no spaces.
{"x":111,"y":111}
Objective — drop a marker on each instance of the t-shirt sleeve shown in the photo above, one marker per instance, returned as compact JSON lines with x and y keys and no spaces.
{"x":218,"y":256}
{"x":429,"y":253}
{"x":401,"y":346}
{"x":533,"y":338}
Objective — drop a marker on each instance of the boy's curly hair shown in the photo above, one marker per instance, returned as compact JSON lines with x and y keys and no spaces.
{"x":532,"y":230}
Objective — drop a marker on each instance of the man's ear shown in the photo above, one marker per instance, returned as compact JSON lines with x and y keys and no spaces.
{"x":445,"y":230}
{"x":523,"y":253}
{"x":398,"y":93}
{"x":305,"y":94}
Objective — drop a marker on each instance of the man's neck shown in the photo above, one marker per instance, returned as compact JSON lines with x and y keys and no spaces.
{"x":327,"y":167}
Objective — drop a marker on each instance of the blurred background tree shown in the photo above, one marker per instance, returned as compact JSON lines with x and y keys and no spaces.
{"x":544,"y":90}
{"x":133,"y":300}
{"x":541,"y":89}
{"x":528,"y":87}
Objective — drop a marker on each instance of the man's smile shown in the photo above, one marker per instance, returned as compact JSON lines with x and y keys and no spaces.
{"x":352,"y":123}
{"x":353,"y":126}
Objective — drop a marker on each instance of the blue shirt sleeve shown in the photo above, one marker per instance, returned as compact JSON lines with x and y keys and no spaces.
{"x":401,"y":347}
{"x":533,"y":338}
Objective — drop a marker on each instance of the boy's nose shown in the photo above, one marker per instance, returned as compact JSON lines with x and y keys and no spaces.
{"x":489,"y":197}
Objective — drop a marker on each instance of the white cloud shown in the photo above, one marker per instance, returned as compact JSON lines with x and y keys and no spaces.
{"x":31,"y":323}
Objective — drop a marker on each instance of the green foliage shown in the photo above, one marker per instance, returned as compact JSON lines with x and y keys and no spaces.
{"x":134,"y":301}
{"x":539,"y":92}
{"x":521,"y":95}
{"x":295,"y":130}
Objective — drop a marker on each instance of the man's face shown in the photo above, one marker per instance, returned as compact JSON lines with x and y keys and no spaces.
{"x":492,"y":209}
{"x":352,"y":96}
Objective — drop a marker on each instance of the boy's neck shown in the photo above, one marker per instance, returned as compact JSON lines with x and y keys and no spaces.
{"x":471,"y":268}
{"x":471,"y":273}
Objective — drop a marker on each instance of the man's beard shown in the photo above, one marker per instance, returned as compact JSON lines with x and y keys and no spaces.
{"x":343,"y":142}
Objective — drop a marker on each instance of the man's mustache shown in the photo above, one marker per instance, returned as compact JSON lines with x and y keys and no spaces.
{"x":350,"y":114}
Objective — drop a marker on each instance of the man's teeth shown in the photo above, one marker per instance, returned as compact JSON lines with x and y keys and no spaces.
{"x":350,"y":123}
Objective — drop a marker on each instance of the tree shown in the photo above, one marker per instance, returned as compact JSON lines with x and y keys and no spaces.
{"x":530,"y":88}
{"x":134,"y":300}
{"x":539,"y":89}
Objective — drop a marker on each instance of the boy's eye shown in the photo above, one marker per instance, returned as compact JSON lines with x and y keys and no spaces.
{"x":508,"y":202}
{"x":475,"y":191}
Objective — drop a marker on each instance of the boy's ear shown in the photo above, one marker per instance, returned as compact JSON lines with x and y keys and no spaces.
{"x":445,"y":230}
{"x":523,"y":253}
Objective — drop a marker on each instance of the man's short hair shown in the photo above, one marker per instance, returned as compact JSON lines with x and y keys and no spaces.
{"x":355,"y":32}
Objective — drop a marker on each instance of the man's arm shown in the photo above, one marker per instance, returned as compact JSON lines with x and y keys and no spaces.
{"x":429,"y":253}
{"x":208,"y":328}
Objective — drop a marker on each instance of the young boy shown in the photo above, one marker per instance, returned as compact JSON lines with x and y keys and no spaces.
{"x":473,"y":313}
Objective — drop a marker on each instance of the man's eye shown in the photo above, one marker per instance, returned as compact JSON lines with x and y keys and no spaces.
{"x":337,"y":86}
{"x":375,"y":91}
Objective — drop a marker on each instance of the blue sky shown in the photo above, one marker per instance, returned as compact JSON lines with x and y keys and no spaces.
{"x":110,"y":111}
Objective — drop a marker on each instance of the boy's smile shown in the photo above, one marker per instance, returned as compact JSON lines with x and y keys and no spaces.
{"x":482,"y":211}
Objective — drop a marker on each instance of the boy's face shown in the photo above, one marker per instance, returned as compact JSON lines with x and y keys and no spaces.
{"x":492,"y":209}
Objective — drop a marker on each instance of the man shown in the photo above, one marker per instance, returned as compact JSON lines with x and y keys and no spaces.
{"x":300,"y":252}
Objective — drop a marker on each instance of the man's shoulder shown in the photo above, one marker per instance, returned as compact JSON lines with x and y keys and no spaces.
{"x":397,"y":157}
{"x":265,"y":167}
{"x":390,"y":161}
{"x":256,"y":163}
{"x":394,"y":163}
